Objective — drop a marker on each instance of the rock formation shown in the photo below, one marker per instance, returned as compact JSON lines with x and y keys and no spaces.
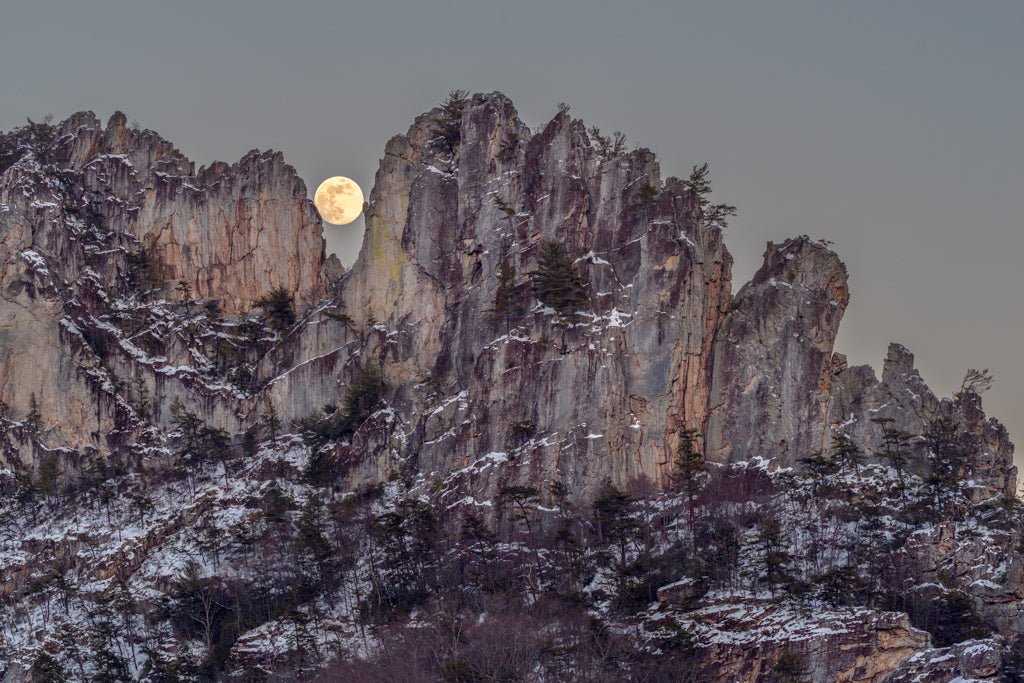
{"x":86,"y":209}
{"x":772,"y":358}
{"x":605,"y":395}
{"x":904,"y":401}
{"x":127,"y":348}
{"x":661,"y":345}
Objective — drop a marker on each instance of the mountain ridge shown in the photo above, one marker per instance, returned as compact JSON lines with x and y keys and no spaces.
{"x":536,"y":321}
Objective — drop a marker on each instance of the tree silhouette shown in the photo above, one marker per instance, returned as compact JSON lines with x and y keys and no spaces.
{"x":506,"y":300}
{"x":557,"y":283}
{"x":699,"y":187}
{"x":686,"y":476}
{"x":276,"y":308}
{"x":448,"y":121}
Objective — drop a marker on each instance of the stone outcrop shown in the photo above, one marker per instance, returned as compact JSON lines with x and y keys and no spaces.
{"x":474,"y":400}
{"x":973,"y":660}
{"x":984,"y":566}
{"x":232,"y":231}
{"x":772,"y":372}
{"x":661,"y":345}
{"x":860,"y":400}
{"x":604,"y":397}
{"x":745,"y":642}
{"x":81,"y":204}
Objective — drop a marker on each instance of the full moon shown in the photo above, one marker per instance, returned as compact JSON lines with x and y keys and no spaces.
{"x":339,"y":200}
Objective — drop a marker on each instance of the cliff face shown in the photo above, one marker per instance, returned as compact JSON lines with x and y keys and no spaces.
{"x":772,"y":358}
{"x":621,"y":381}
{"x":658,"y":346}
{"x":117,"y":381}
{"x":605,"y":395}
{"x":88,"y":212}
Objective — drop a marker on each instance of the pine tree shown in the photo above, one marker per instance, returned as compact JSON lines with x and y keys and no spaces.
{"x":250,"y":442}
{"x":557,"y":283}
{"x":945,"y":462}
{"x":506,"y":304}
{"x":47,"y":669}
{"x":140,"y":391}
{"x":214,"y":444}
{"x":448,"y":121}
{"x":847,"y":453}
{"x":189,"y":426}
{"x":276,"y":308}
{"x":895,"y":447}
{"x":34,"y":419}
{"x":699,"y":187}
{"x":975,"y":381}
{"x":819,"y":466}
{"x":312,"y":535}
{"x":270,"y":421}
{"x":524,"y":501}
{"x":364,"y":396}
{"x":606,"y":146}
{"x":612,"y":519}
{"x":775,"y":555}
{"x":687,"y":475}
{"x":48,"y":475}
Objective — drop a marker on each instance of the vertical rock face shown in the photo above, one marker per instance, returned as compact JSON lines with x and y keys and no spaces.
{"x":771,"y":372}
{"x":81,"y":202}
{"x":658,"y":346}
{"x":603,"y":397}
{"x":232,"y":232}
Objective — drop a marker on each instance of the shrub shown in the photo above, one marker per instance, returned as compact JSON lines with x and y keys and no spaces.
{"x":364,"y":395}
{"x":557,"y":283}
{"x":448,"y":121}
{"x":276,"y":308}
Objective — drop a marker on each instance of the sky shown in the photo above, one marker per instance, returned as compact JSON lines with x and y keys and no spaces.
{"x":892,"y":129}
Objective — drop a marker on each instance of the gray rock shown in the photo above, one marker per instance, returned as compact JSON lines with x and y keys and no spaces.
{"x":772,"y":368}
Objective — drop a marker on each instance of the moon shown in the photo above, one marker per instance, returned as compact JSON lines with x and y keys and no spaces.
{"x":339,"y":200}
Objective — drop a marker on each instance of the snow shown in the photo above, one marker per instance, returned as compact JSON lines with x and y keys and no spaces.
{"x":977,"y":649}
{"x":590,"y":257}
{"x":36,"y":261}
{"x":615,"y":318}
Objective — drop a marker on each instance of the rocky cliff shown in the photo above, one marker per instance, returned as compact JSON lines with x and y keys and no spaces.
{"x":92,"y":213}
{"x":772,"y":372}
{"x":659,"y":345}
{"x":603,"y":395}
{"x":499,"y":390}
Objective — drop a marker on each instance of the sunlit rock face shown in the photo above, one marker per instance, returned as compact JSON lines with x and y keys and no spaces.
{"x":855,"y":645}
{"x":232,"y":232}
{"x":772,"y":357}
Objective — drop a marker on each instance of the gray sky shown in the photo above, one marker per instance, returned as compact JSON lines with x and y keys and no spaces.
{"x":890,"y":128}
